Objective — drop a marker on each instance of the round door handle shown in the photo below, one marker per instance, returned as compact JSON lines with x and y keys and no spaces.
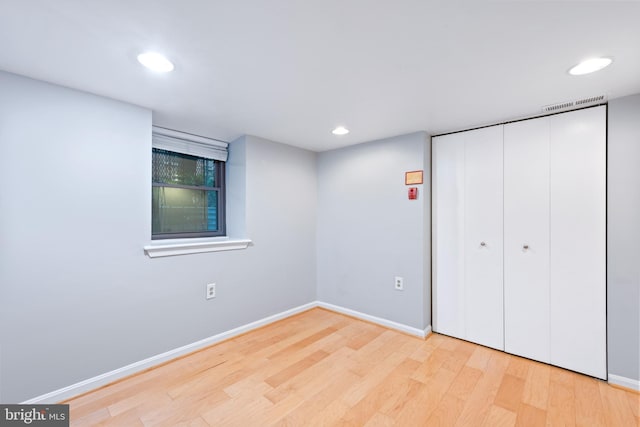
{"x":483,"y":244}
{"x":525,"y":247}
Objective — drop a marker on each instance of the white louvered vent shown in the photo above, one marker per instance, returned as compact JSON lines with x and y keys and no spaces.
{"x":574,"y":104}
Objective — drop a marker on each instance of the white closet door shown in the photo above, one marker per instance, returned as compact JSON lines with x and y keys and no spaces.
{"x":448,"y":234}
{"x":483,"y":237}
{"x":526,"y":238}
{"x":577,"y":222}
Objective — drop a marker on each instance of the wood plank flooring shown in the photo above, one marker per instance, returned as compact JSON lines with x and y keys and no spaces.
{"x":320,"y":368}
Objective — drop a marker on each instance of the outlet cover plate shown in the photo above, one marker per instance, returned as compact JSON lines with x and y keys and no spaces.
{"x":211,"y":290}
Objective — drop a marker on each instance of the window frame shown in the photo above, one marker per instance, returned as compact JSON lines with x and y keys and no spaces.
{"x":221,"y":200}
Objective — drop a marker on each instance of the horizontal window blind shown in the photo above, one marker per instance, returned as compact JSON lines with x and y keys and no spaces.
{"x":184,"y":143}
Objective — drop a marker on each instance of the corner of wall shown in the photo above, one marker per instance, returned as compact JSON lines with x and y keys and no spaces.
{"x":427,"y":230}
{"x":623,"y":232}
{"x":236,"y":194}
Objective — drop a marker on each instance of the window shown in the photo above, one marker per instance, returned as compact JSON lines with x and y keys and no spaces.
{"x":188,"y":191}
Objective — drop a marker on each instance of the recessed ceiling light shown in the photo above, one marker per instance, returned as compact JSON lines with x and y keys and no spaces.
{"x":155,"y":62}
{"x":340,"y":130}
{"x":590,"y":65}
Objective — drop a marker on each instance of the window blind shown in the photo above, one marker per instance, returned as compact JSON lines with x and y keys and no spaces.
{"x":185,"y":143}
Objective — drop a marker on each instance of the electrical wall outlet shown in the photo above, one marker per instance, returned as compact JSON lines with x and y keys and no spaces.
{"x":399,"y":283}
{"x":211,"y":290}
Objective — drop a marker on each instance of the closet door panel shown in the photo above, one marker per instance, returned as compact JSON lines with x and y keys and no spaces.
{"x":578,"y":241}
{"x":526,"y":238}
{"x":448,"y":234}
{"x":483,"y":237}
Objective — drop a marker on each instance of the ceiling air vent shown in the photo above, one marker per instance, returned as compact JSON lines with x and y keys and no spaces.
{"x":574,"y":104}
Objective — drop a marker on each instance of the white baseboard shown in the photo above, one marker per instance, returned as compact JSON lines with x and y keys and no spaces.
{"x":109,"y":377}
{"x":421,"y":333}
{"x":624,"y":382}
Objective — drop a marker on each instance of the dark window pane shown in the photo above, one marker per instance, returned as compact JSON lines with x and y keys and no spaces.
{"x":212,"y":210}
{"x":210,"y":173}
{"x":181,"y":210}
{"x":182,"y":169}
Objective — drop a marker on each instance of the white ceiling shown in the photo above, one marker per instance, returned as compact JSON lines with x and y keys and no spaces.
{"x":292,"y":70}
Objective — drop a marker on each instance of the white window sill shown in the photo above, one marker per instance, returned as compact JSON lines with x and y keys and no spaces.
{"x":174,"y":247}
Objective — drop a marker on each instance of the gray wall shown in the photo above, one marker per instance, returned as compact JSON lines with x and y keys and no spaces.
{"x":623,"y":234}
{"x":78,"y":297}
{"x":369,"y":232}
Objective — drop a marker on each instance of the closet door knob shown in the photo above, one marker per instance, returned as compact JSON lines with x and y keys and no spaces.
{"x":483,"y":244}
{"x":525,"y":247}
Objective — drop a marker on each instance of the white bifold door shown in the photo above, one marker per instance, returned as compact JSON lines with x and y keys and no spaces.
{"x":526,"y":238}
{"x":554,"y":234}
{"x":519,"y":238}
{"x":577,"y":222}
{"x":467,"y":183}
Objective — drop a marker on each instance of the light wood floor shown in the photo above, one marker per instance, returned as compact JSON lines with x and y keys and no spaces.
{"x":320,"y":369}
